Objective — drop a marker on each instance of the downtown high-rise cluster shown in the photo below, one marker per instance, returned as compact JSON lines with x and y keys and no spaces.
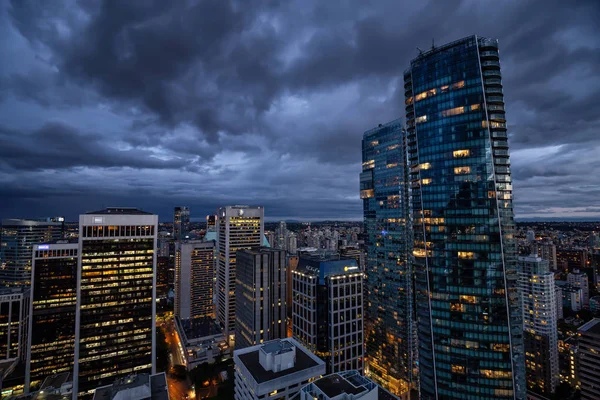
{"x":435,"y":299}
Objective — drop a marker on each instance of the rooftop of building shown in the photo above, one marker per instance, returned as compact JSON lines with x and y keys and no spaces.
{"x":327,"y":265}
{"x":262,"y":249}
{"x":435,"y":49}
{"x":199,"y":327}
{"x":277,"y":347}
{"x":349,"y":383}
{"x":135,"y":387}
{"x":530,"y":258}
{"x":592,"y":326}
{"x":212,"y":235}
{"x":250,"y":357}
{"x":56,"y":380}
{"x":120,"y":211}
{"x":31,"y":222}
{"x":397,"y":123}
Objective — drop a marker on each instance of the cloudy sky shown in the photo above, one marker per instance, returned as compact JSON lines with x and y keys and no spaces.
{"x":205,"y":103}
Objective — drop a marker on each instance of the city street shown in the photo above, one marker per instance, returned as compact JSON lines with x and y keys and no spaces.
{"x":178,"y":388}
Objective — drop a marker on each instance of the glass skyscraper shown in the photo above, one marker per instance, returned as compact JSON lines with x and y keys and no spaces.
{"x":390,"y":341}
{"x":468,"y":309}
{"x":17,"y":238}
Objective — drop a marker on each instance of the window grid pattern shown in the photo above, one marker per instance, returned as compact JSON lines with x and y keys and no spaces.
{"x":468,"y":308}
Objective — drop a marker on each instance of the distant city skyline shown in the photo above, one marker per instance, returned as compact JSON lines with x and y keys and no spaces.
{"x":113,"y":106}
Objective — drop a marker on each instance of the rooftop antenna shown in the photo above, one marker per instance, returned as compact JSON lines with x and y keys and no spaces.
{"x":420,"y":51}
{"x":432,"y":44}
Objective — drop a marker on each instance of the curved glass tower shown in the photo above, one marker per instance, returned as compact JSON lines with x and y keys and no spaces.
{"x":468,"y":312}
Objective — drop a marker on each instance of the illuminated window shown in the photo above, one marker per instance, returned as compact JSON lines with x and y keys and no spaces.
{"x":475,"y":107}
{"x":468,"y":299}
{"x":444,"y":89}
{"x":458,"y":369}
{"x":392,"y":165}
{"x":409,"y":101}
{"x":461,"y":153}
{"x":422,"y":118}
{"x":425,"y":166}
{"x":462,"y":170}
{"x":467,"y":255}
{"x":453,"y":111}
{"x":458,"y":85}
{"x":425,"y":94}
{"x":426,"y":181}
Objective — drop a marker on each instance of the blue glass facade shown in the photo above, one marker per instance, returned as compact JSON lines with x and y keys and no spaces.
{"x":469,"y":318}
{"x":390,"y":337}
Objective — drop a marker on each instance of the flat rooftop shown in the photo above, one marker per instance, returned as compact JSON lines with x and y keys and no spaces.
{"x":592,"y":326}
{"x":120,"y":211}
{"x":333,"y":385}
{"x":199,"y":328}
{"x":136,"y":387}
{"x":251,"y":361}
{"x":56,"y":380}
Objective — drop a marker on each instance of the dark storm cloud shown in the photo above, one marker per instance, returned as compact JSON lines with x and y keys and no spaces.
{"x":214,"y":102}
{"x":56,"y":146}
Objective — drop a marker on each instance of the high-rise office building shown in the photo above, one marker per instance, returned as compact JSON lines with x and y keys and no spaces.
{"x":589,"y":359}
{"x":530,"y":235}
{"x":115,"y":333}
{"x":14,"y":314}
{"x":194,"y":271}
{"x":16,"y":246}
{"x":327,"y":311}
{"x":238,"y":228}
{"x":579,"y":279}
{"x":281,"y":235}
{"x":469,"y":315}
{"x":538,"y":293}
{"x":53,"y":308}
{"x":390,"y":341}
{"x":261,"y":289}
{"x":181,"y":222}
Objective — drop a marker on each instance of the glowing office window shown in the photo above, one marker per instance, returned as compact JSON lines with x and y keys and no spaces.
{"x":426,"y":181}
{"x":422,"y":118}
{"x":453,"y":111}
{"x":425,"y":165}
{"x":462,"y":170}
{"x":461,"y":153}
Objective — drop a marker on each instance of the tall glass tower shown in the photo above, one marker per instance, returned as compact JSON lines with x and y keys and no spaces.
{"x":468,"y":309}
{"x":390,"y":341}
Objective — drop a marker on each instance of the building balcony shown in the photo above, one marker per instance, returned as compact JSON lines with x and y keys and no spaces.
{"x":497,"y":117}
{"x":492,"y":72}
{"x":494,"y":90}
{"x":489,"y":53}
{"x":493,"y":81}
{"x":495,"y":107}
{"x":490,"y":64}
{"x":499,"y":135}
{"x":500,"y":143}
{"x":495,"y":99}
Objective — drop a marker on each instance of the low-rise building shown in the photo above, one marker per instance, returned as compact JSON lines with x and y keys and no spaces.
{"x":275,"y":370}
{"x":347,"y":385}
{"x":202,"y":341}
{"x":135,"y":387}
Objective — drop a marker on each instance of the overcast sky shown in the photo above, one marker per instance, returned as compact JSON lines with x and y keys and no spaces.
{"x":160,"y":103}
